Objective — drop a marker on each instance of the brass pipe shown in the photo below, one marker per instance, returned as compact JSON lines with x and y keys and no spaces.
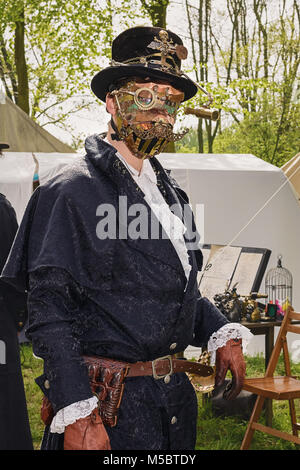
{"x":205,"y":113}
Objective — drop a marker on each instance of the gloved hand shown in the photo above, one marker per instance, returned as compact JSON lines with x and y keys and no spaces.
{"x":87,"y":434}
{"x":230,"y":357}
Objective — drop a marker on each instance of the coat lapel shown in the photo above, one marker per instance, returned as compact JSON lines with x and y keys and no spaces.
{"x":153,"y":240}
{"x":129,"y":196}
{"x":103,"y":156}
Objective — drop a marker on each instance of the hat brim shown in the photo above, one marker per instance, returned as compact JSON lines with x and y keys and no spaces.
{"x":4,"y":145}
{"x":102,"y":80}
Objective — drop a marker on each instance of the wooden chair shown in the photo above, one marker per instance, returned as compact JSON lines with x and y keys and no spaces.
{"x":275,"y":388}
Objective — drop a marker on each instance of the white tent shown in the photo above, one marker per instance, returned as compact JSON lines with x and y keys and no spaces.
{"x":237,"y":190}
{"x":17,"y":171}
{"x":16,"y":178}
{"x":246,"y":201}
{"x":292,"y":170}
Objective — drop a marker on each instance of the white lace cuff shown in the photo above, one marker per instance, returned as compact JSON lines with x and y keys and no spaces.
{"x":226,"y":332}
{"x":71,"y":413}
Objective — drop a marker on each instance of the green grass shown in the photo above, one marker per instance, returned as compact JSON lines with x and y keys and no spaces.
{"x":214,"y":433}
{"x":32,"y":368}
{"x":226,"y":433}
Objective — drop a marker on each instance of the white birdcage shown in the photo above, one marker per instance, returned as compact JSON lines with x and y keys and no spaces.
{"x":279,"y":285}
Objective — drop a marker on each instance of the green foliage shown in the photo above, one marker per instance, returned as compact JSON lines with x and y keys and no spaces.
{"x":67,"y":42}
{"x":247,"y":58}
{"x":32,"y":368}
{"x":189,"y":143}
{"x":267,"y":131}
{"x":156,"y":10}
{"x":249,"y":61}
{"x":257,"y":134}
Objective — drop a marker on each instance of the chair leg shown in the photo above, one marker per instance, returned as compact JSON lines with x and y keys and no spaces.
{"x":254,"y":418}
{"x":293,"y":417}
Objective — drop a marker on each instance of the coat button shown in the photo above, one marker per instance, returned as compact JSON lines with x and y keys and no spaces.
{"x":167,"y":379}
{"x":173,"y":346}
{"x":47,"y":384}
{"x":174,"y":420}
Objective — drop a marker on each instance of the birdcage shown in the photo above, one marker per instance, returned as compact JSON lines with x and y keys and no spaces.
{"x":279,"y":285}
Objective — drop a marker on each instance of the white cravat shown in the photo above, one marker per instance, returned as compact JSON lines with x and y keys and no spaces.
{"x":173,"y":226}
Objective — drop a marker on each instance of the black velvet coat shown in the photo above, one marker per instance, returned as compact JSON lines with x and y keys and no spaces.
{"x":117,"y":297}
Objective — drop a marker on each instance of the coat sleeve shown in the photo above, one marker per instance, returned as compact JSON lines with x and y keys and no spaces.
{"x":55,"y":325}
{"x":208,"y":320}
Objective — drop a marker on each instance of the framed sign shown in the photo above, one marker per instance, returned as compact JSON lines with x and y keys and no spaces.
{"x":225,"y":266}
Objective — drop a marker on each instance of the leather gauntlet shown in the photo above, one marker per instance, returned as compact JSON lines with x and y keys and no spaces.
{"x":87,"y":434}
{"x":230,"y":357}
{"x":46,"y":411}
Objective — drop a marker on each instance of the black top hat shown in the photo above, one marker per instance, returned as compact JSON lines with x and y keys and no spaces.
{"x":145,"y":52}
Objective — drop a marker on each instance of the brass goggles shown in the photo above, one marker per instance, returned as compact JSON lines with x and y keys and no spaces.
{"x":146,"y":115}
{"x":144,"y":98}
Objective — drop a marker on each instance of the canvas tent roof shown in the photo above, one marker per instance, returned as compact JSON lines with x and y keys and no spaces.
{"x":23,"y":134}
{"x":292,"y":170}
{"x":27,"y":142}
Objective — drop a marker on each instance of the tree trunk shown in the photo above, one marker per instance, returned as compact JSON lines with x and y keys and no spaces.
{"x":7,"y":72}
{"x":157,"y":10}
{"x":200,"y":136}
{"x":21,"y":66}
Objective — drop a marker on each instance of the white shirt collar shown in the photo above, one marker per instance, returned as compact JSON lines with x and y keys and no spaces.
{"x":146,"y":171}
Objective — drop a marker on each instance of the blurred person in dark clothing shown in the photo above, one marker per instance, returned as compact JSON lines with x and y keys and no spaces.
{"x":14,"y":424}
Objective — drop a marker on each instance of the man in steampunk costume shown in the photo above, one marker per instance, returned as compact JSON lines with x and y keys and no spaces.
{"x":108,"y":312}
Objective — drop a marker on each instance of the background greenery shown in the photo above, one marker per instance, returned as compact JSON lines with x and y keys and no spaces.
{"x":244,"y":52}
{"x":214,"y":433}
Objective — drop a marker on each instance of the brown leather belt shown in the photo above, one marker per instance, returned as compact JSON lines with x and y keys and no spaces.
{"x":166,"y":366}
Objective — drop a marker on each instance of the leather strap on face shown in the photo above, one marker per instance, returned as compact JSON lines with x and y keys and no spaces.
{"x":115,"y":136}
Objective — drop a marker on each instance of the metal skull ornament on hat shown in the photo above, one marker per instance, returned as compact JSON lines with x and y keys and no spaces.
{"x":145,"y":52}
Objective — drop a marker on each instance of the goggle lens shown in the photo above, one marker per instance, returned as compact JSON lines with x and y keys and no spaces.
{"x":144,"y":98}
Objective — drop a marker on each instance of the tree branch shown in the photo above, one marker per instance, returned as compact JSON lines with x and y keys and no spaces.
{"x":9,"y":68}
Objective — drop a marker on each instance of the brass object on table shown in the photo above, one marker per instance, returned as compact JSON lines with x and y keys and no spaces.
{"x":250,"y":307}
{"x":229,"y":303}
{"x":255,"y":315}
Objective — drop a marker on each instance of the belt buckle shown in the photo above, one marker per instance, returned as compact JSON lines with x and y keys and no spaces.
{"x":155,"y":375}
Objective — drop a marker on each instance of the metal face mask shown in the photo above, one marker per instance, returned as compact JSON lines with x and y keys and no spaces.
{"x":146,"y":116}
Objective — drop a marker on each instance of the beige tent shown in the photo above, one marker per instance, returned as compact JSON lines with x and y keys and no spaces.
{"x":32,"y":150}
{"x":23,"y":134}
{"x":292,"y":171}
